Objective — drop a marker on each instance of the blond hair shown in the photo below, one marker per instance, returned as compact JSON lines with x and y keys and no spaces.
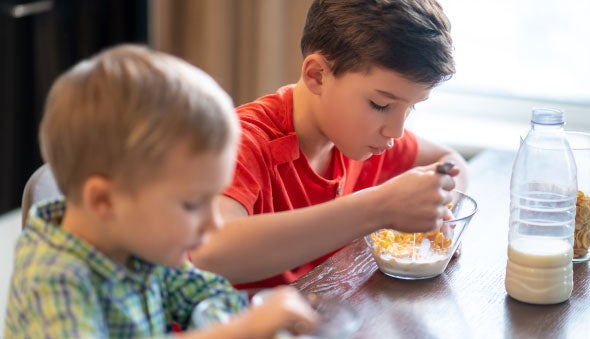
{"x":117,"y":113}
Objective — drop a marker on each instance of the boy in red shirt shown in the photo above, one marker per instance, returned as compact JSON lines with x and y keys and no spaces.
{"x":338,"y":130}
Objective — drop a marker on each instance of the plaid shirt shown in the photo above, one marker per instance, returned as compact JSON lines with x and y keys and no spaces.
{"x":62,"y":288}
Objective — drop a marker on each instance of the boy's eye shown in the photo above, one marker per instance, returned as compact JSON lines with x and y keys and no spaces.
{"x":191,"y":206}
{"x":377,"y":107}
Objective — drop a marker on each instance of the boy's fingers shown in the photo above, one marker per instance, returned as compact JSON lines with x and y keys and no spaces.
{"x":445,"y":167}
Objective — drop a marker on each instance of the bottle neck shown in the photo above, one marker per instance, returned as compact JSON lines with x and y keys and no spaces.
{"x":546,"y":127}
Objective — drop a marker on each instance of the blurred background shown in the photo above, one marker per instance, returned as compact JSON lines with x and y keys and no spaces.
{"x":249,"y":46}
{"x":511,"y":56}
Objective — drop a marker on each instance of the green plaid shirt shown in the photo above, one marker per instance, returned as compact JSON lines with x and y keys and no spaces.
{"x":62,"y":288}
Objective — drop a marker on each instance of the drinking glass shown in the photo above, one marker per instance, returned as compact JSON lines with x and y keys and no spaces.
{"x":580,"y":145}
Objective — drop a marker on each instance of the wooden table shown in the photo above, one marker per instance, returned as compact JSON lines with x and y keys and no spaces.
{"x":469,"y":299}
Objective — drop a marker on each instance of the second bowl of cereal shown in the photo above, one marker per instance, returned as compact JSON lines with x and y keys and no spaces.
{"x":413,"y":256}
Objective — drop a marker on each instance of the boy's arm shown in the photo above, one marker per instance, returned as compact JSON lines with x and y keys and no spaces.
{"x":256,"y":247}
{"x":283,"y":309}
{"x":430,"y":152}
{"x":186,"y":287}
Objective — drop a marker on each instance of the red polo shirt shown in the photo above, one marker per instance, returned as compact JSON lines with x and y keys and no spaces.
{"x":273,"y":175}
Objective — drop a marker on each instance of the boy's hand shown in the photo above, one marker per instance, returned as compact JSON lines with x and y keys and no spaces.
{"x":415,"y":201}
{"x":283,"y":309}
{"x":272,"y":312}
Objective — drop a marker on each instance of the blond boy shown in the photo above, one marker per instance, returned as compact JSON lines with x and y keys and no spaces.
{"x":140,"y":143}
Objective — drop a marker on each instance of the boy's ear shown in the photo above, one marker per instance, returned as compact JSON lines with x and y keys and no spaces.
{"x":97,"y":196}
{"x":313,"y":71}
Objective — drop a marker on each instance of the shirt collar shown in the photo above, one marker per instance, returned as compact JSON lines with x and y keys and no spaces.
{"x":45,"y":219}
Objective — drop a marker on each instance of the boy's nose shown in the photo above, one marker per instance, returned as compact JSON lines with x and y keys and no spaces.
{"x":394,"y":126}
{"x":392,"y":132}
{"x":393,"y":129}
{"x":207,"y":222}
{"x":213,"y":219}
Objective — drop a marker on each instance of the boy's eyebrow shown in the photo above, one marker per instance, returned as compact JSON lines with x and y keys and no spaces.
{"x":395,"y":97}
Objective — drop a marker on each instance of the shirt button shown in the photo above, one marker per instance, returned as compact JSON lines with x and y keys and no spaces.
{"x":338,"y":190}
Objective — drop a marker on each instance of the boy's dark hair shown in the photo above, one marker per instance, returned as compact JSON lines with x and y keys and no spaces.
{"x":410,"y":37}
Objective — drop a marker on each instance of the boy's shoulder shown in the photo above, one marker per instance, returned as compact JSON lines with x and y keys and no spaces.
{"x":272,"y":109}
{"x":44,"y":251}
{"x":267,"y":119}
{"x":38,"y":258}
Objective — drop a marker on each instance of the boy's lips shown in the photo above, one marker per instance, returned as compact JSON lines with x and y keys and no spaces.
{"x":195,"y":245}
{"x":379,"y":150}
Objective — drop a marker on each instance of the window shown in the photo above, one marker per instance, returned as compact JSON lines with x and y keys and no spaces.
{"x":510,"y":56}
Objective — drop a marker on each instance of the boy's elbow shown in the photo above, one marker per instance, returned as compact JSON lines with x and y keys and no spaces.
{"x":207,"y":260}
{"x":204,"y":259}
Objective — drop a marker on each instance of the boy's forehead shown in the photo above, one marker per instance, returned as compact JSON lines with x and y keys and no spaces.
{"x":390,"y":84}
{"x":207,"y":168}
{"x":403,"y":96}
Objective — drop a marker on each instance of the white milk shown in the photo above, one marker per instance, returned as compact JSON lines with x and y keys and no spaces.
{"x":539,"y":270}
{"x":408,"y":268}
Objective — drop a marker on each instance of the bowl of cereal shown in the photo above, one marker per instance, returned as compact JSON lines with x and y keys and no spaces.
{"x":412,"y":256}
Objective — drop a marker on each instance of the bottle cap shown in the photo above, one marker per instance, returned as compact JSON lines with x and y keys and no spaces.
{"x":548,"y":116}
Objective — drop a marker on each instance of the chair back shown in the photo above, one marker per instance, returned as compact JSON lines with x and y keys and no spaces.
{"x":40,"y":186}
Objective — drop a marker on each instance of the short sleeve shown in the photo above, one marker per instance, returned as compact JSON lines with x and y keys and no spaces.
{"x":251,"y":175}
{"x":187,"y":286}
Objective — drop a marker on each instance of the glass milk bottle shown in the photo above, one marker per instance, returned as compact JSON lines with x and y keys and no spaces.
{"x":543,"y":191}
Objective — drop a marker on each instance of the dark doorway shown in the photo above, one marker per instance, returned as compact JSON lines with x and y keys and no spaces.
{"x":38,"y":41}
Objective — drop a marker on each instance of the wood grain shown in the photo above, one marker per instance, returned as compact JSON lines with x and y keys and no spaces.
{"x":469,"y":299}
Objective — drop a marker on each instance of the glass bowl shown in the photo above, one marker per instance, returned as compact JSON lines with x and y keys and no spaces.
{"x":412,"y":256}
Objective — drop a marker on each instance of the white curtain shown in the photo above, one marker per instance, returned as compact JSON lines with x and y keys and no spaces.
{"x":251,"y":47}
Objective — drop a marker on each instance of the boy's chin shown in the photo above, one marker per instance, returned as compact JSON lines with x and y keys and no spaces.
{"x":176,"y":262}
{"x":363,"y":157}
{"x":360,"y":156}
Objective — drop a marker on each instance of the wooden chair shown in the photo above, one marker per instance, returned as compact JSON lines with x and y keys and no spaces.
{"x":40,"y":186}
